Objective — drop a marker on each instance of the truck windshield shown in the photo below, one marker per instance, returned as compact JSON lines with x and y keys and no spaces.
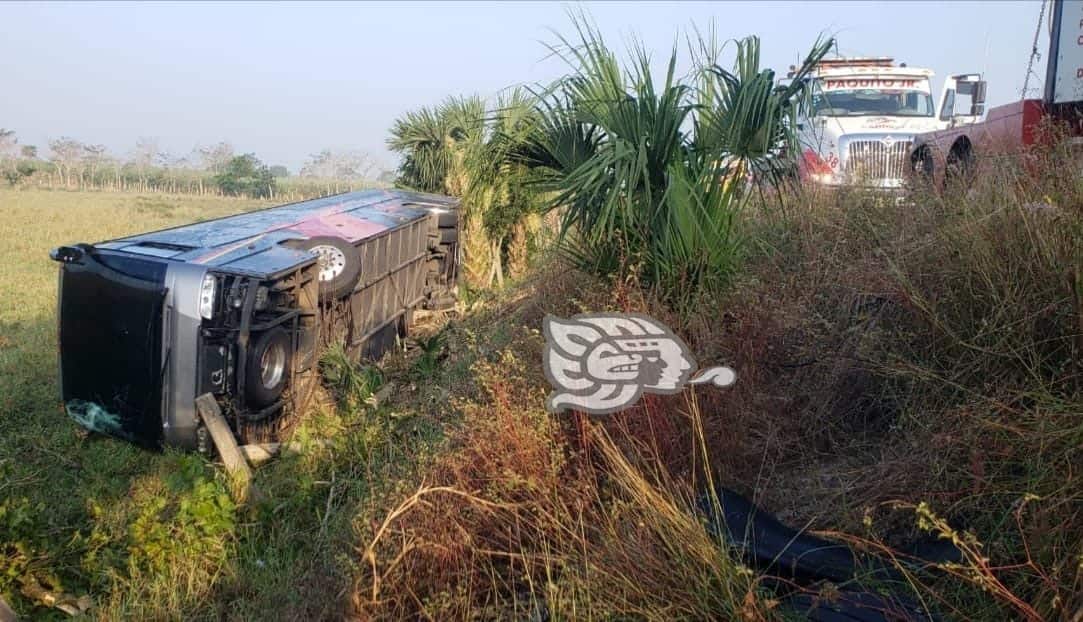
{"x":878,"y":102}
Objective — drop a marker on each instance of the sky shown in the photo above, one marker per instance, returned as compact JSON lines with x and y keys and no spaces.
{"x":287,"y":80}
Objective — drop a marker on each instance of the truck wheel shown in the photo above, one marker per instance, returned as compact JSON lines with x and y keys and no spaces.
{"x":268,"y":367}
{"x":959,"y":167}
{"x":921,"y":167}
{"x":339,"y":265}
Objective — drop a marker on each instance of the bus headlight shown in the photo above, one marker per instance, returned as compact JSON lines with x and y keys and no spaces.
{"x":206,"y":296}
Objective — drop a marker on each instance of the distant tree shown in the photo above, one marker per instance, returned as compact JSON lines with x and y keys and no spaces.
{"x":24,"y":168}
{"x":280,"y":171}
{"x":165,"y":159}
{"x":246,"y":175}
{"x":8,"y":143}
{"x":216,"y":157}
{"x":67,"y":153}
{"x":145,"y":152}
{"x":319,"y":165}
{"x":94,"y":156}
{"x":29,"y":152}
{"x":329,"y":164}
{"x":178,"y":162}
{"x":144,"y":156}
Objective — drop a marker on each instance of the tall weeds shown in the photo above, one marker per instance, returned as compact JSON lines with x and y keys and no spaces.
{"x":994,"y":349}
{"x":907,"y":367}
{"x":530,"y":517}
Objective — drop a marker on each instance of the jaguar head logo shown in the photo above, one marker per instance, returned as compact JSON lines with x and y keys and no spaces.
{"x":602,"y":363}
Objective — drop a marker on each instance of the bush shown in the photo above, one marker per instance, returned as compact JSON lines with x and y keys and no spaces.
{"x":914,"y":365}
{"x":909,"y":372}
{"x":21,"y":170}
{"x":651,"y":174}
{"x":245,"y":175}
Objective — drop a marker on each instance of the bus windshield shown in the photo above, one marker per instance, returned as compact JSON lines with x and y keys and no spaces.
{"x":878,"y":102}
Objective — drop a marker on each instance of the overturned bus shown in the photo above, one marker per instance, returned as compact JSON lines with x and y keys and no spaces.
{"x":235,"y":306}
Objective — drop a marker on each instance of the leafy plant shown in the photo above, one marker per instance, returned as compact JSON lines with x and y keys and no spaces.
{"x":351,"y":384}
{"x":433,"y":141}
{"x":245,"y":175}
{"x":500,"y":197}
{"x":17,"y":529}
{"x":650,"y":174}
{"x":743,"y":114}
{"x":192,"y":519}
{"x":432,"y":353}
{"x":460,"y":149}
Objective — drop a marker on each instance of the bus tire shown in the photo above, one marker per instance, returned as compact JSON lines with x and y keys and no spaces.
{"x":339,"y":264}
{"x":268,"y":367}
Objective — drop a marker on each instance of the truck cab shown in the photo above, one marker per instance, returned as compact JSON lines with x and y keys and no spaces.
{"x":862,"y":119}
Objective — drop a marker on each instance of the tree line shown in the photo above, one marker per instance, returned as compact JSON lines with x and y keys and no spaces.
{"x":207,"y":170}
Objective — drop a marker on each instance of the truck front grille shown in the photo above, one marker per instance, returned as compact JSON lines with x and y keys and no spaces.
{"x":873,"y":160}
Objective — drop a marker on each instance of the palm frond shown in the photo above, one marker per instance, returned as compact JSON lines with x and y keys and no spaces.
{"x":650,"y":168}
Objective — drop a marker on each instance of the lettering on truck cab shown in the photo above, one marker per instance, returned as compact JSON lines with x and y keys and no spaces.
{"x":870,"y":83}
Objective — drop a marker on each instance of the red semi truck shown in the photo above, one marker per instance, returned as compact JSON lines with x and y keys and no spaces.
{"x":1008,"y":129}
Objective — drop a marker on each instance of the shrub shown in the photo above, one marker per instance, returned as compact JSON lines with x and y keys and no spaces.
{"x":459,"y":149}
{"x":652,"y":175}
{"x":245,"y":175}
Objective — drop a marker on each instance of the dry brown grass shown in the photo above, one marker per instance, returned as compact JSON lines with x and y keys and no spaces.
{"x":906,"y":370}
{"x":527,"y":513}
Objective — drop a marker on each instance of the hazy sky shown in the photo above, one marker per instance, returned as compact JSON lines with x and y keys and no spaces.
{"x":286,"y":80}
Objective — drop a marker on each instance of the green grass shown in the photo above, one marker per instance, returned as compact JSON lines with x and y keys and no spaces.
{"x":903,"y":368}
{"x":61,"y":494}
{"x":151,"y":535}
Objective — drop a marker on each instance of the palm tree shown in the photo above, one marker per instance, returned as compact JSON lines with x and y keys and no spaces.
{"x":643,"y":170}
{"x":457,"y":149}
{"x":743,"y":114}
{"x":500,"y":189}
{"x":433,"y":142}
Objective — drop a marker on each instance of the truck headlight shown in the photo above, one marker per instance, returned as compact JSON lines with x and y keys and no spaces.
{"x":206,"y":296}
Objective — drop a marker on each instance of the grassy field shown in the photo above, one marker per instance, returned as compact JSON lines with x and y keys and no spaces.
{"x":907,"y":372}
{"x":55,"y":485}
{"x":89,"y":522}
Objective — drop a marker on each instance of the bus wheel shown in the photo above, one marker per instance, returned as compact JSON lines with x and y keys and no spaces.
{"x":339,"y":265}
{"x":268,"y":367}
